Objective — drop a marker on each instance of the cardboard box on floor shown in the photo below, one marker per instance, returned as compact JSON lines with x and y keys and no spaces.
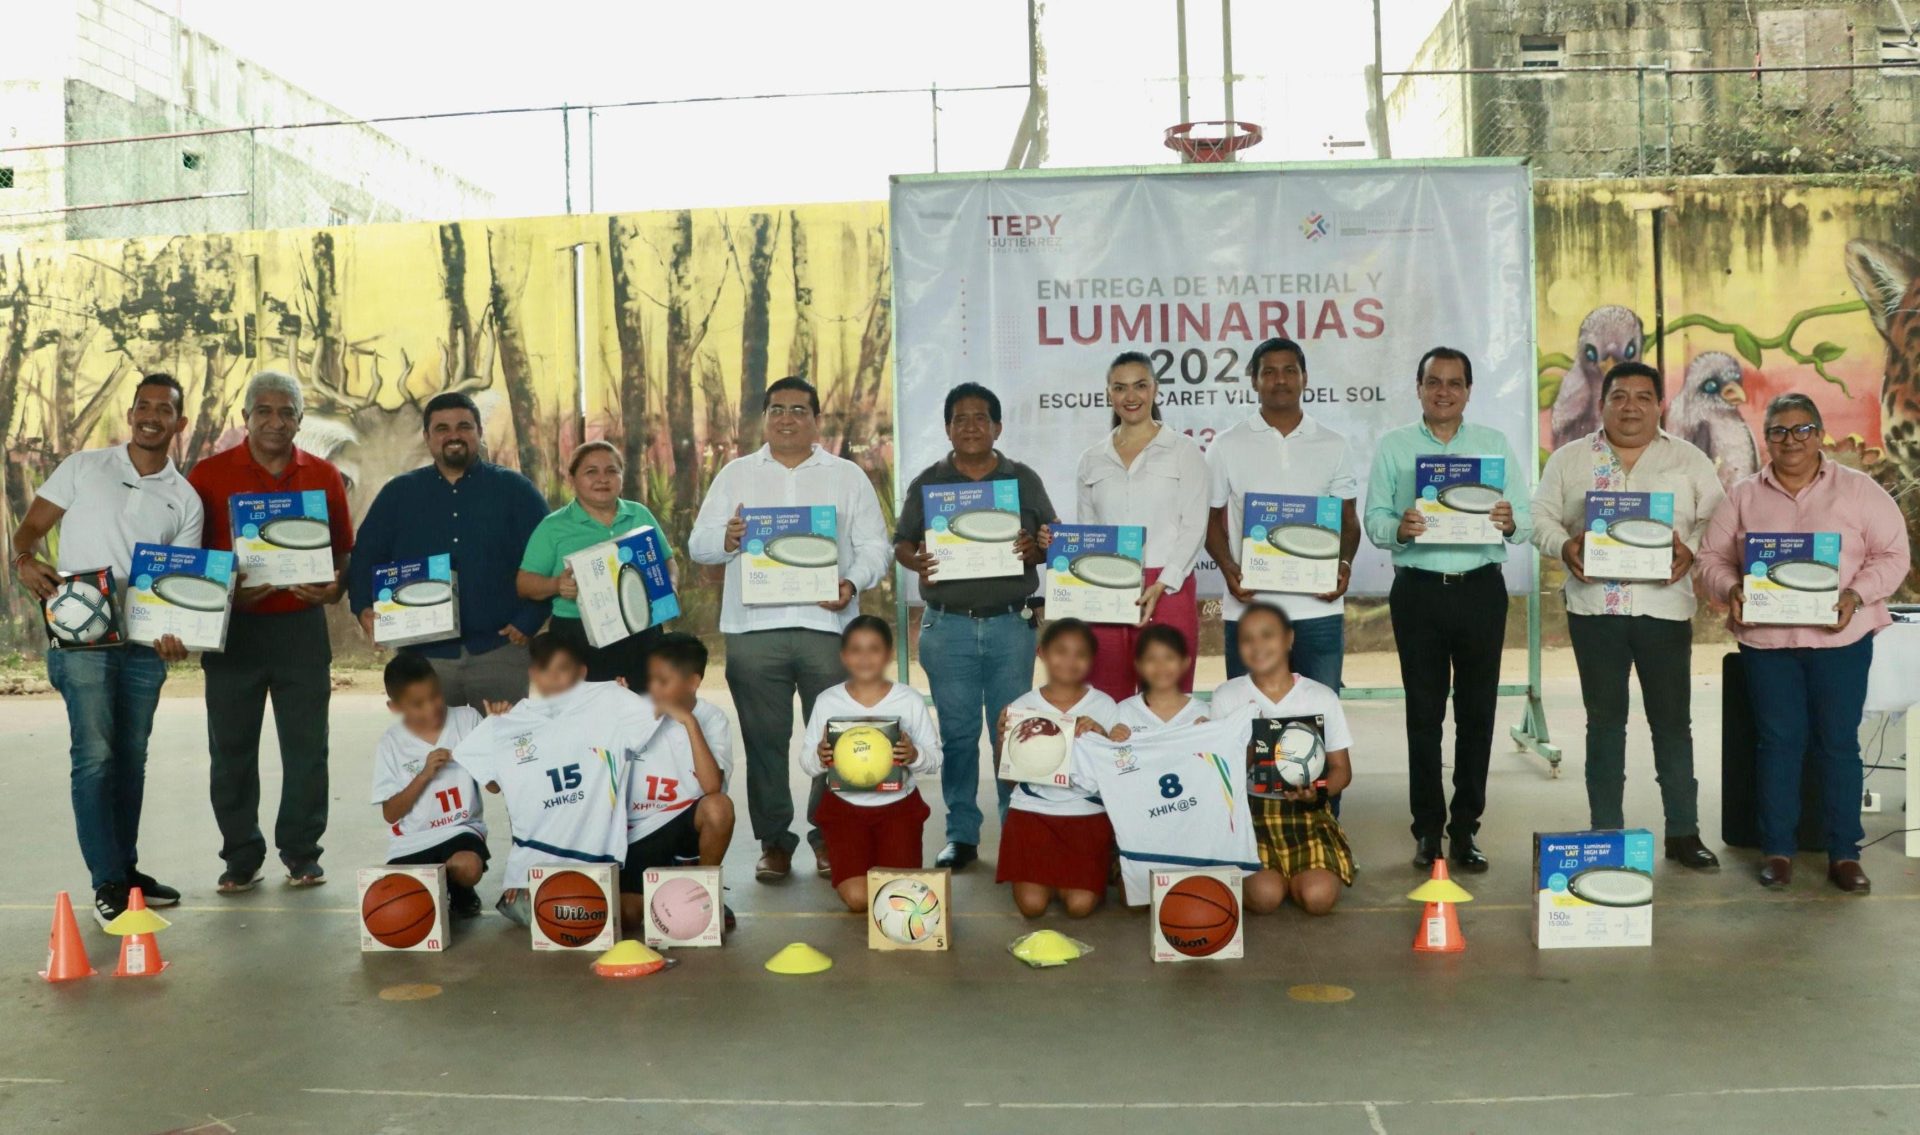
{"x":1200,"y":947}
{"x":907,"y":910}
{"x":668,"y":885}
{"x":434,"y":879}
{"x":601,"y":875}
{"x":1593,"y":889}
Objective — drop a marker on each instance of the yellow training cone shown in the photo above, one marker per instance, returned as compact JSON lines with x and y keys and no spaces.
{"x":630,"y":958}
{"x":1440,"y":888}
{"x":142,"y":921}
{"x":799,"y":958}
{"x":1047,"y":948}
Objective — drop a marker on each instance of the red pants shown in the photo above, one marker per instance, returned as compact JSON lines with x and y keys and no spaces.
{"x":1113,"y":673}
{"x":860,"y":838}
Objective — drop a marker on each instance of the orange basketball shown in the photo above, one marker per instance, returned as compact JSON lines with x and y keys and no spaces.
{"x":570,"y":909}
{"x":1198,"y":915}
{"x":398,"y":911}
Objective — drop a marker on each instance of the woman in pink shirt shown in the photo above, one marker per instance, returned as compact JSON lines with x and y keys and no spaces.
{"x":1808,"y":683}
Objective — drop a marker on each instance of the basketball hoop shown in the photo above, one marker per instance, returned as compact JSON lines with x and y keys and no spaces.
{"x":1213,"y":147}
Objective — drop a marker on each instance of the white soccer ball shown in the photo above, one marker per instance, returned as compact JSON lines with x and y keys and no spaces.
{"x":79,"y":613}
{"x":908,"y":911}
{"x":1300,"y":755}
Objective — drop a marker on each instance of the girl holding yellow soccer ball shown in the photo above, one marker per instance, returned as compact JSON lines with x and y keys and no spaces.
{"x":870,"y":818}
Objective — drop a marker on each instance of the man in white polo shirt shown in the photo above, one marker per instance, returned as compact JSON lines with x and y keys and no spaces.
{"x":774,"y":651}
{"x":1280,"y":449}
{"x":104,"y":501}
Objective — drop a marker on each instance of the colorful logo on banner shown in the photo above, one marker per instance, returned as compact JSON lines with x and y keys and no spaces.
{"x":1314,"y":226}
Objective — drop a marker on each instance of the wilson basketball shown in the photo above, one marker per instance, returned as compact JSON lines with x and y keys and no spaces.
{"x":570,"y":909}
{"x":1198,"y":916}
{"x":398,"y":911}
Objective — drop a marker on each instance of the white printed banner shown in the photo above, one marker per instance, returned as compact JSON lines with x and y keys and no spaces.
{"x":1032,"y":282}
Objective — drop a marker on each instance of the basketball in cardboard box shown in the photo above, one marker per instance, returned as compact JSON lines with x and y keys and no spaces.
{"x":1196,"y":915}
{"x":403,"y":909}
{"x":575,"y":906}
{"x":907,"y":910}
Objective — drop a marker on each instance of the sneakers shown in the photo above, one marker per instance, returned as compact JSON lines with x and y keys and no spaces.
{"x":153,"y":890}
{"x":308,"y":874}
{"x":109,"y":902}
{"x":464,"y":901}
{"x":234,"y":882}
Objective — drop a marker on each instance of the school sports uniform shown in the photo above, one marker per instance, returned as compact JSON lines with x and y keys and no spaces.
{"x":1294,"y":837}
{"x":1058,"y":836}
{"x":1135,"y":715}
{"x":447,"y":816}
{"x":663,"y":789}
{"x":1177,"y":798}
{"x":864,"y":830}
{"x":561,"y":762}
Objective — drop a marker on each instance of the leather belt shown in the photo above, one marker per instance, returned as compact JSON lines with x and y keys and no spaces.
{"x":1448,"y":578}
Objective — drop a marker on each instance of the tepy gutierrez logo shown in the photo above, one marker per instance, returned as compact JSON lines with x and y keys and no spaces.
{"x":1023,"y":232}
{"x":1315,"y":225}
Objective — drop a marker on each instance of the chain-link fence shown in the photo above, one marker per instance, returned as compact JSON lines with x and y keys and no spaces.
{"x":1626,"y":121}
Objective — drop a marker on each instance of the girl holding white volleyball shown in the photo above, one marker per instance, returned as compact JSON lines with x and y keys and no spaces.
{"x":865,"y":829}
{"x":1303,"y":850}
{"x":1056,"y":842}
{"x":1146,"y":473}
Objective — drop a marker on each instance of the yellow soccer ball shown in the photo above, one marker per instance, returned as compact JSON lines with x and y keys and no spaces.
{"x":863,"y":756}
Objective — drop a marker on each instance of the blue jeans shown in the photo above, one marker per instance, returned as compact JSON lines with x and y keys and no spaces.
{"x":110,"y":694}
{"x":1809,"y":699}
{"x":1319,"y":649}
{"x":976,"y":667}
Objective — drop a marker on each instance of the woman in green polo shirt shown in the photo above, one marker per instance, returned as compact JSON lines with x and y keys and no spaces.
{"x":597,"y":514}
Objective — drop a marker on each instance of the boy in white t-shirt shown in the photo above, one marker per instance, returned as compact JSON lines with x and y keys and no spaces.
{"x":431,"y":805}
{"x":677,"y":807}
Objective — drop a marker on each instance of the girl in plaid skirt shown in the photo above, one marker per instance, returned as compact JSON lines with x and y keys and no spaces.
{"x":1303,"y":850}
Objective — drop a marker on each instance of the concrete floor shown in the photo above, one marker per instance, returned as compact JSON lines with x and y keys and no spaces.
{"x":1753,"y":1012}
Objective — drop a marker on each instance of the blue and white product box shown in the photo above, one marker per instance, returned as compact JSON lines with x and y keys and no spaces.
{"x":971,"y":529}
{"x":1629,"y":536}
{"x":1096,"y":572}
{"x":624,"y":586}
{"x":185,"y":592}
{"x":415,"y":601}
{"x":1592,"y":889}
{"x":1793,"y":579}
{"x":1456,"y":496}
{"x":790,"y":556}
{"x":282,"y":539}
{"x":1290,"y":544}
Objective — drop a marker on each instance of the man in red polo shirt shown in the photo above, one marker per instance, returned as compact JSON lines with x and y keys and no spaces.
{"x":276,"y":646}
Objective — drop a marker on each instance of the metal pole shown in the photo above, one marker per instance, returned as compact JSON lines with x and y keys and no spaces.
{"x":1226,"y":58}
{"x":1382,"y":143}
{"x":591,"y":115}
{"x":566,"y":151}
{"x":1180,"y":40}
{"x":1640,"y":126}
{"x":933,"y":96}
{"x":579,"y":252}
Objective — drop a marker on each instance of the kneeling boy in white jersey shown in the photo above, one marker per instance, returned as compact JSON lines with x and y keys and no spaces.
{"x":431,"y":806}
{"x":677,"y":806}
{"x":561,"y":760}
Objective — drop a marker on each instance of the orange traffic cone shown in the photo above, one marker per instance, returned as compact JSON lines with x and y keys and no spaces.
{"x":139,"y":949}
{"x":66,"y":953}
{"x":1439,"y":931}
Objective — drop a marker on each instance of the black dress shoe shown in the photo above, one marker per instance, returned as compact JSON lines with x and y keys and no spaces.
{"x":1425,"y":851}
{"x":956,"y":856}
{"x":1688,"y":851}
{"x":1466,"y":856}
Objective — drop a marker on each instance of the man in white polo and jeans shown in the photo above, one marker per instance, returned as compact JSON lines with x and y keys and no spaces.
{"x":775,"y":651}
{"x":104,"y":501}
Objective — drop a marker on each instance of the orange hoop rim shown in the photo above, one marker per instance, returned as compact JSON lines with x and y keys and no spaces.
{"x":1213,"y":148}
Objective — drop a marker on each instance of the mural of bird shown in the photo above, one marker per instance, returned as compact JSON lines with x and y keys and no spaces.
{"x":1609,"y":335}
{"x":1706,"y":411}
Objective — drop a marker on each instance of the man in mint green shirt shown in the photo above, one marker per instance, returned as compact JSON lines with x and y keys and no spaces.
{"x":597,"y":514}
{"x":1449,"y":607}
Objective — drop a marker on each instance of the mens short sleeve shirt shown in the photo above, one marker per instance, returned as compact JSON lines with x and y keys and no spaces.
{"x":1253,"y":457}
{"x":109,"y":507}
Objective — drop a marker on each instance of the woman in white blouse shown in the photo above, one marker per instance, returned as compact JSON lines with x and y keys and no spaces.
{"x":1150,"y":474}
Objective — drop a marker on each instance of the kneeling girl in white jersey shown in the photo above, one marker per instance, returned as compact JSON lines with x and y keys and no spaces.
{"x":1057,"y":842}
{"x":864,"y":829}
{"x":1161,"y":656}
{"x":1303,"y":850}
{"x":677,"y":807}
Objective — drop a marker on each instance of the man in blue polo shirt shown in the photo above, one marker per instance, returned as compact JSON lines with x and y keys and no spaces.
{"x":1449,"y":607}
{"x":480,"y":514}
